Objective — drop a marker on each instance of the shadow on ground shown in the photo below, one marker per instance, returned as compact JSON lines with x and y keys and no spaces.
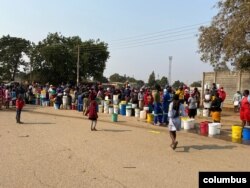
{"x":203,"y":147}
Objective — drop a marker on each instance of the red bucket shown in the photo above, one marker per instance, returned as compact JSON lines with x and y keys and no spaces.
{"x":73,"y":107}
{"x":204,"y":128}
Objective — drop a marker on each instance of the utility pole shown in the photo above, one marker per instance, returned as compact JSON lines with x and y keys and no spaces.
{"x":77,"y":66}
{"x":169,"y":71}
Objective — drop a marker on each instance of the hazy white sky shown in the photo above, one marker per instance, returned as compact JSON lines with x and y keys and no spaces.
{"x":141,"y":34}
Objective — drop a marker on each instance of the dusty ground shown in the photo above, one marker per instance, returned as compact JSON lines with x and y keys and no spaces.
{"x":57,"y":149}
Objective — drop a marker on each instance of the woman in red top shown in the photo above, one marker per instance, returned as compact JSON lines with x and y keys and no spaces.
{"x":19,"y":107}
{"x":92,"y":112}
{"x":245,"y":108}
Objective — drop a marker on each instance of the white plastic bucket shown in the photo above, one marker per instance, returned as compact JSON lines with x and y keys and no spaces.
{"x":100,"y":108}
{"x":143,"y":114}
{"x":64,"y":100}
{"x":205,"y":112}
{"x":134,"y":105}
{"x":128,"y":111}
{"x":137,"y":112}
{"x":212,"y":129}
{"x":116,"y":109}
{"x":207,"y":104}
{"x":187,"y":124}
{"x":106,"y":109}
{"x":218,"y":126}
{"x":145,"y":108}
{"x":111,"y":110}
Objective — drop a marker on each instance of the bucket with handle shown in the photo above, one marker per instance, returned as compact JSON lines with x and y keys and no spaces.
{"x":137,"y":112}
{"x":143,"y":114}
{"x":150,"y":118}
{"x":212,"y":129}
{"x":114,"y":117}
{"x":204,"y":128}
{"x":236,"y":131}
{"x":246,"y":133}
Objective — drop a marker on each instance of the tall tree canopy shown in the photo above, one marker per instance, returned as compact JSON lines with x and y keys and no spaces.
{"x":224,"y":41}
{"x":12,"y":56}
{"x":56,"y":56}
{"x":151,"y":79}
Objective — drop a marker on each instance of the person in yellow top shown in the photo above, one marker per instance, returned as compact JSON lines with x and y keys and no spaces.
{"x":180,"y":93}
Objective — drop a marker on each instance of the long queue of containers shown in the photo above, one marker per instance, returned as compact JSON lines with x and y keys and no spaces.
{"x":129,"y":109}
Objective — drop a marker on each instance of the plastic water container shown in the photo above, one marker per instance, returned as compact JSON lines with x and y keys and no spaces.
{"x":116,"y":109}
{"x":246,"y":133}
{"x":123,"y":109}
{"x":114,"y":117}
{"x":236,"y":131}
{"x":111,"y":110}
{"x":204,"y":128}
{"x":137,"y":112}
{"x":150,"y":118}
{"x":106,"y":109}
{"x":214,"y":128}
{"x":146,"y":108}
{"x":100,"y":108}
{"x":205,"y":112}
{"x":207,"y":104}
{"x":115,"y":99}
{"x":188,"y":124}
{"x":128,"y":111}
{"x":134,"y":105}
{"x":143,"y":114}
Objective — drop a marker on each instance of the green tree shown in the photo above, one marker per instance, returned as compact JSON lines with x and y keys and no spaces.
{"x":12,"y":56}
{"x":56,"y":57}
{"x":163,"y":82}
{"x":151,"y":79}
{"x":224,"y":40}
{"x":196,"y":84}
{"x":117,"y":78}
{"x":176,"y":84}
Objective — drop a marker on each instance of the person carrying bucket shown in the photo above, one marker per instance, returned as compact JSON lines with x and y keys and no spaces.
{"x":176,"y":109}
{"x":245,"y":109}
{"x":216,"y":108}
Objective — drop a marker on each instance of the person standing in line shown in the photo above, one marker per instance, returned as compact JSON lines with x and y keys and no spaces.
{"x":92,"y":113}
{"x":216,"y":108}
{"x":236,"y":101}
{"x":19,"y":107}
{"x":165,"y":104}
{"x":176,"y":109}
{"x":157,"y":106}
{"x":192,"y":105}
{"x":245,"y":109}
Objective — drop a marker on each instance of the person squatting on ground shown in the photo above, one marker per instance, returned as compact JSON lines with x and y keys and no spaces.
{"x":176,"y":109}
{"x":245,"y":109}
{"x":19,"y":107}
{"x":92,"y":113}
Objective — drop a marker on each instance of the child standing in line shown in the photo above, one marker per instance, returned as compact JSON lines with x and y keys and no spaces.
{"x":92,"y":112}
{"x":19,"y":107}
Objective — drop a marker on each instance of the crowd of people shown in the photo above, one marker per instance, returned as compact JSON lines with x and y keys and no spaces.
{"x":167,"y":104}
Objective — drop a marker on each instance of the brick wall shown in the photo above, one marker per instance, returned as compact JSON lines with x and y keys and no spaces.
{"x":229,"y":80}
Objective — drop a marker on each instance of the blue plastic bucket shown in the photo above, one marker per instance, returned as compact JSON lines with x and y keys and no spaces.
{"x":246,"y":134}
{"x":123,"y":109}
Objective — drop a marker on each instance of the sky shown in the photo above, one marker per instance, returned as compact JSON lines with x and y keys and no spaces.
{"x":141,"y":34}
